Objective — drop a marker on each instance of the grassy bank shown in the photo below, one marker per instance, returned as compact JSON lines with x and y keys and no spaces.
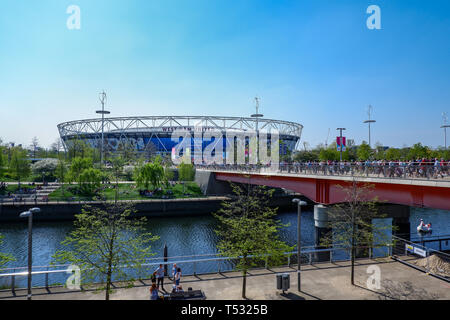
{"x":127,"y":192}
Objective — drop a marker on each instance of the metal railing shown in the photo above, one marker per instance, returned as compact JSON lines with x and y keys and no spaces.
{"x":191,"y":265}
{"x":394,"y":170}
{"x":421,"y":257}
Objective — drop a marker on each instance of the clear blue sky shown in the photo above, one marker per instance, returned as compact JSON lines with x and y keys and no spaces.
{"x":310,"y":61}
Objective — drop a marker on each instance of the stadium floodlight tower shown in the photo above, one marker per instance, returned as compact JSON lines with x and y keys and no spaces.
{"x":102,"y":112}
{"x":369,"y":121}
{"x":445,"y":126}
{"x":256,"y":116}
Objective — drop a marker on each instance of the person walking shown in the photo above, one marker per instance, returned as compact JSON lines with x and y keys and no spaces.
{"x":160,"y":276}
{"x":177,"y":278}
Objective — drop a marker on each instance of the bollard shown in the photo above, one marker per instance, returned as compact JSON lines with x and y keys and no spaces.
{"x":13,"y":284}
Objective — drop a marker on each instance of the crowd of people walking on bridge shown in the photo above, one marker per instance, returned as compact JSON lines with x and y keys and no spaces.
{"x":419,"y":168}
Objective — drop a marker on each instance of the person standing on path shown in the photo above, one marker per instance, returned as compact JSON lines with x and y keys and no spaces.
{"x":174,"y":271}
{"x":160,"y":276}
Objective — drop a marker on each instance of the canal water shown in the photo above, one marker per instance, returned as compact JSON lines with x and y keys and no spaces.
{"x":184,"y":236}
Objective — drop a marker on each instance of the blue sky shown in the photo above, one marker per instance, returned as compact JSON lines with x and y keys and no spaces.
{"x":314,"y":62}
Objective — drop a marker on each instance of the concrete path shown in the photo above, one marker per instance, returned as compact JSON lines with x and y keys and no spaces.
{"x":323,"y":281}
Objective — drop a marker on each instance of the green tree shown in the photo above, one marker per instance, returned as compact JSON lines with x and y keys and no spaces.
{"x":4,"y":258}
{"x":61,"y":173}
{"x":248,"y":232}
{"x":77,"y":166}
{"x":186,"y":172}
{"x":90,"y":180}
{"x":352,"y":222}
{"x":105,"y":243}
{"x":393,"y":154}
{"x":151,"y":173}
{"x":117,"y":163}
{"x":2,"y":163}
{"x":364,"y":151}
{"x":19,"y":166}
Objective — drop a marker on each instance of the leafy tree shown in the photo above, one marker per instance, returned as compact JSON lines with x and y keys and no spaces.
{"x":151,"y":173}
{"x":168,"y":173}
{"x":247,"y":230}
{"x":90,"y":180}
{"x":79,"y":148}
{"x":4,"y":258}
{"x":419,"y":151}
{"x":186,"y":172}
{"x":2,"y":162}
{"x":77,"y":166}
{"x":351,"y":222}
{"x":105,"y":243}
{"x":19,"y":166}
{"x":364,"y":151}
{"x":393,"y":154}
{"x":45,"y":168}
{"x":117,"y":163}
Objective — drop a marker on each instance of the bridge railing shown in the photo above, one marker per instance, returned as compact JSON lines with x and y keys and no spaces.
{"x":394,"y":170}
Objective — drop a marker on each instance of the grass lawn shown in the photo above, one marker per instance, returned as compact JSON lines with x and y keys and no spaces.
{"x":14,"y":188}
{"x":128,"y":192}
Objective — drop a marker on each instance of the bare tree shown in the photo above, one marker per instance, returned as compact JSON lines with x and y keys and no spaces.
{"x":351,"y":222}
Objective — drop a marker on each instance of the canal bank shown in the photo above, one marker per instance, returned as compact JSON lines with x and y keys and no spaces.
{"x":66,"y":211}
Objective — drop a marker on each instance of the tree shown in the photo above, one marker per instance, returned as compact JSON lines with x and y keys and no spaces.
{"x":105,"y":243}
{"x":61,"y":173}
{"x":151,"y":173}
{"x":247,"y":230}
{"x":45,"y":168}
{"x":364,"y":151}
{"x":351,"y":222}
{"x":19,"y":166}
{"x":117,"y":170}
{"x":2,"y":162}
{"x":186,"y":172}
{"x":77,"y":166}
{"x":4,"y":258}
{"x":90,"y":180}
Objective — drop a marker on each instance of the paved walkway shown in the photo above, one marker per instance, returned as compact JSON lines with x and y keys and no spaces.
{"x":322,"y":281}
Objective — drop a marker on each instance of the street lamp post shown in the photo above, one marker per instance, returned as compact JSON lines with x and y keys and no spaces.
{"x":369,"y":112}
{"x":299,"y":224}
{"x":102,"y":112}
{"x":256,"y":116}
{"x":445,"y":126}
{"x":340,"y":141}
{"x":29,"y":214}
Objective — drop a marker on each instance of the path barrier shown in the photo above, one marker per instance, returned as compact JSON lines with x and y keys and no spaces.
{"x":421,"y":257}
{"x":57,"y":275}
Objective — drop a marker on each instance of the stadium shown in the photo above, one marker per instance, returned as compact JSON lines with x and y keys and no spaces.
{"x":153,"y":134}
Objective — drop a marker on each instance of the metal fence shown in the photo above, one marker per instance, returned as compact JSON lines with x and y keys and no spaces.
{"x":421,"y":257}
{"x":56,"y":275}
{"x":395,"y":170}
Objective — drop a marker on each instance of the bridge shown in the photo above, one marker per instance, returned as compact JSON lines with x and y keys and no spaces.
{"x":324,"y":185}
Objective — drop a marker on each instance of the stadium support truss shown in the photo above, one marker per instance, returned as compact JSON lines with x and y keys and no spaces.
{"x":126,"y":128}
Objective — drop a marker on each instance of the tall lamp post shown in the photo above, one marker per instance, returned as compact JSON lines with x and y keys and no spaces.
{"x":445,"y":126}
{"x":256,"y":116}
{"x":340,"y":147}
{"x":102,"y":112}
{"x":299,"y":225}
{"x":369,"y":121}
{"x":29,"y":214}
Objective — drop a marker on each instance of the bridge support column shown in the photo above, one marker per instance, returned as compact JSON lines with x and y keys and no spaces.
{"x":321,"y":229}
